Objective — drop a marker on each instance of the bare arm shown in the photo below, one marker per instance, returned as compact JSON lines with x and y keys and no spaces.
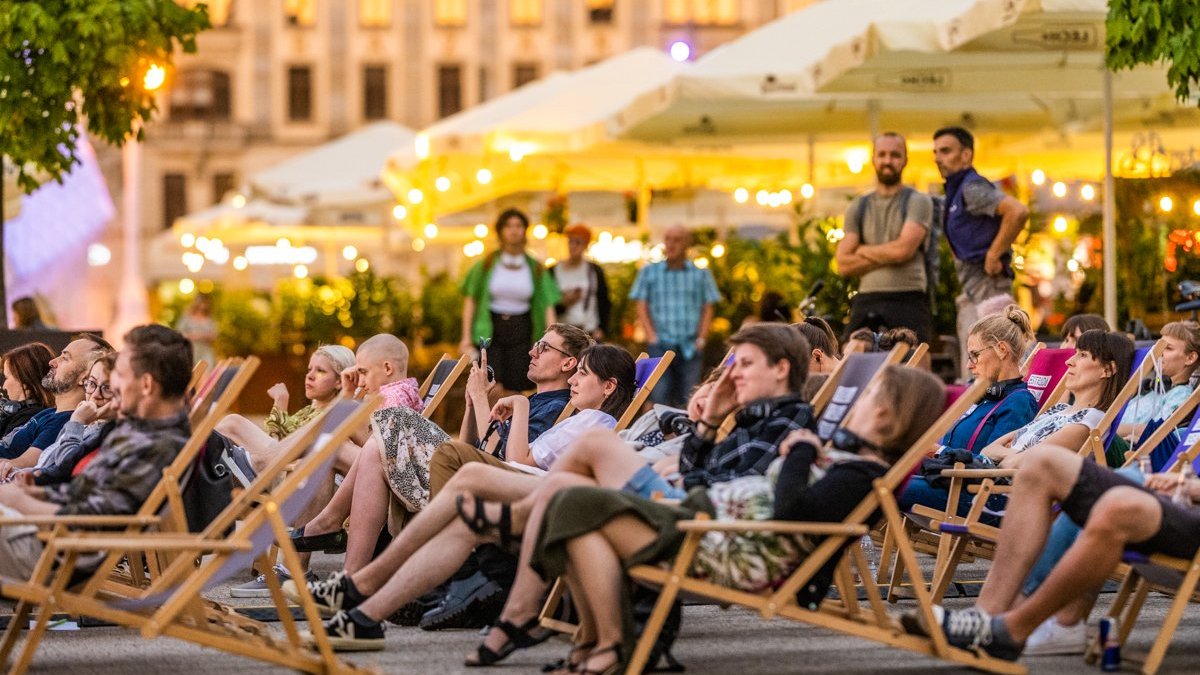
{"x":1013,"y":215}
{"x":899,"y":250}
{"x":849,"y":262}
{"x":466,"y":343}
{"x":643,"y":315}
{"x":1071,"y":436}
{"x":706,"y":316}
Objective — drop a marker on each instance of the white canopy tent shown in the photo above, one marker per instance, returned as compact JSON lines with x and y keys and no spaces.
{"x":855,"y":67}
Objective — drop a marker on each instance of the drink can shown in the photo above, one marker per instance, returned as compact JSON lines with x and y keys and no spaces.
{"x":1110,"y":645}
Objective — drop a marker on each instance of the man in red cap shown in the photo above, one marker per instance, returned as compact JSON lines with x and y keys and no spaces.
{"x":585,"y":301}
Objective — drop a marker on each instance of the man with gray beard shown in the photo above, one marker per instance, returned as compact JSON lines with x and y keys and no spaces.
{"x":65,"y":381}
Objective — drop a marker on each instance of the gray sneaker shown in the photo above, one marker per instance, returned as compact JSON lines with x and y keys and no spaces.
{"x":238,"y":460}
{"x":258,"y":587}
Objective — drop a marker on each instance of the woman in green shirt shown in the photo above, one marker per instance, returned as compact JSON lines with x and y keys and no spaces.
{"x":510,"y":299}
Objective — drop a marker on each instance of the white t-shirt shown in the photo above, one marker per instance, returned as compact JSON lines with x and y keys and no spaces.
{"x":510,"y":289}
{"x":558,"y":439}
{"x":585,"y":313}
{"x":1052,"y":420}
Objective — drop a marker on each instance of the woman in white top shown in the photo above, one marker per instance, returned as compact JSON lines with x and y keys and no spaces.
{"x":1095,"y":375}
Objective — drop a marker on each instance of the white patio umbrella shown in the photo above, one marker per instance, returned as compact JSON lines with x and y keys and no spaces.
{"x":854,"y":66}
{"x":344,"y":172}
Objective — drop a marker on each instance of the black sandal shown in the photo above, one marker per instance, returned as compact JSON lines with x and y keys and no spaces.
{"x":569,"y":664}
{"x":518,"y":638}
{"x":613,"y":669}
{"x":479,"y":523}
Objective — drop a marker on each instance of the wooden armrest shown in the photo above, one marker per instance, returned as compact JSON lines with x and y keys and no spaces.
{"x":173,"y":542}
{"x":81,"y":520}
{"x":776,"y":526}
{"x":979,"y":473}
{"x":927,"y":511}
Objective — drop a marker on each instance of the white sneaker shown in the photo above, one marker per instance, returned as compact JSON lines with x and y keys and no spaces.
{"x":1052,"y":638}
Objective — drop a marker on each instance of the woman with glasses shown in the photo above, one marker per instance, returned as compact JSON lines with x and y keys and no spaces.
{"x":63,"y":458}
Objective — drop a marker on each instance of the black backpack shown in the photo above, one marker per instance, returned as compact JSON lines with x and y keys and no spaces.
{"x":642,"y":600}
{"x":931,"y":249}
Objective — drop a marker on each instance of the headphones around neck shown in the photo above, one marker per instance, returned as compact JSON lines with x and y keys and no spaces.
{"x":1151,"y":383}
{"x":997,"y":390}
{"x":847,"y":441}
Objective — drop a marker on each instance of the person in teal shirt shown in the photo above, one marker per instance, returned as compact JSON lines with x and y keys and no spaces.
{"x":1171,"y":385}
{"x":510,"y":298}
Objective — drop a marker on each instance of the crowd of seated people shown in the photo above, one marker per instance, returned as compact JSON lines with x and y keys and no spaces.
{"x":538,"y":487}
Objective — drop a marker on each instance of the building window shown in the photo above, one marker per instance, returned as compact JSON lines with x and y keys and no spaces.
{"x":200,"y":95}
{"x":219,"y":11}
{"x":524,"y":73}
{"x":223,"y":184}
{"x":374,"y":92}
{"x":299,"y":93}
{"x":375,"y":13}
{"x":600,"y":11}
{"x":449,"y":13}
{"x":300,"y":12}
{"x":525,"y":12}
{"x":174,"y":198}
{"x":701,"y":12}
{"x":449,"y":90}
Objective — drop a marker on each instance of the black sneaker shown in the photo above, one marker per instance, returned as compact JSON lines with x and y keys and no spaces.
{"x":352,"y":631}
{"x":972,"y":629}
{"x":469,"y":603}
{"x":237,"y":460}
{"x":335,"y":594}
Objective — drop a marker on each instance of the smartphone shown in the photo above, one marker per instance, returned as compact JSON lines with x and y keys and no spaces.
{"x":484,"y":344}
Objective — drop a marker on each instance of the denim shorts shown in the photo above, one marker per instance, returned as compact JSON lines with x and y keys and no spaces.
{"x":646,"y":483}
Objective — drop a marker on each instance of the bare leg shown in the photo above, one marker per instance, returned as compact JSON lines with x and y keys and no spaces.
{"x":597,"y":557}
{"x":1121,"y":515}
{"x":369,"y":507}
{"x":474,"y":478}
{"x":262,"y":448}
{"x":525,"y":599}
{"x":602,"y":456}
{"x":336,"y":509}
{"x":1047,"y":475}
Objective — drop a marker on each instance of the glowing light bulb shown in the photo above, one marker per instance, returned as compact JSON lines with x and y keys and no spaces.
{"x":1087,"y":193}
{"x":1060,"y":189}
{"x":807,"y":191}
{"x":741,"y":195}
{"x":680,"y":51}
{"x":399,"y":212}
{"x":186,"y":286}
{"x":187,"y":240}
{"x":717,"y":250}
{"x":1166,"y":204}
{"x":349,"y":252}
{"x":1038,"y":177}
{"x":418,"y":245}
{"x":540,"y":231}
{"x":154,"y":78}
{"x":1060,"y":224}
{"x":240,"y":263}
{"x":442,"y":184}
{"x":415,"y":196}
{"x":301,"y":271}
{"x":483,"y":176}
{"x":481,"y":231}
{"x":362,"y":265}
{"x":431,"y":231}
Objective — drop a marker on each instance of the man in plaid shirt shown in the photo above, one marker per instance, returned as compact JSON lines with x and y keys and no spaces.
{"x":675,"y":307}
{"x":149,"y":383}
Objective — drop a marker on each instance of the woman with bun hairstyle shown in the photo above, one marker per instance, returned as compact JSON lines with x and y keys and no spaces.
{"x":995,"y":347}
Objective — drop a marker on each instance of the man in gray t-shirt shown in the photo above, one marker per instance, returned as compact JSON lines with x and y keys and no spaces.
{"x":885,"y":235}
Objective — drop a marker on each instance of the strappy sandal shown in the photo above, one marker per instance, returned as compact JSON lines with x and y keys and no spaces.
{"x":612,"y":669}
{"x":569,"y":664}
{"x":518,"y":638}
{"x":479,"y":523}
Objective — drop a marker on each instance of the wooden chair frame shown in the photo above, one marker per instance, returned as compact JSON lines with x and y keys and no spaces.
{"x":446,"y":385}
{"x":959,"y":536}
{"x":844,"y":615}
{"x":173,"y":604}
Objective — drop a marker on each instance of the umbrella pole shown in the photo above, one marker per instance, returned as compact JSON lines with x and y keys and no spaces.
{"x":1110,"y":207}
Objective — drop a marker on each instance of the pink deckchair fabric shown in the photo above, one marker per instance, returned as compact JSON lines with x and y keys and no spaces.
{"x":1048,"y":367}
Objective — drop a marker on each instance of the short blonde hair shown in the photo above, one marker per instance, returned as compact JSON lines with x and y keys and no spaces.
{"x":1010,"y":326}
{"x":341,"y":357}
{"x":1189,"y":333}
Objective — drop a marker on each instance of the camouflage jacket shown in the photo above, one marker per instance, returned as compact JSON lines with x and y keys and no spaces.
{"x":128,"y":465}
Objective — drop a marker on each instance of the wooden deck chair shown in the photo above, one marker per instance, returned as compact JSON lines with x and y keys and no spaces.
{"x":215,"y":387}
{"x":844,"y":615}
{"x":1172,"y":576}
{"x":1028,"y":361}
{"x":914,"y":359}
{"x":1157,"y":436}
{"x":440,"y":381}
{"x":173,"y":605}
{"x":854,"y":374}
{"x":648,"y":371}
{"x":959,"y":535}
{"x":198,"y":372}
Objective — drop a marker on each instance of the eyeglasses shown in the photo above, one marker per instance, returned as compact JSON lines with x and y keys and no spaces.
{"x":90,"y":385}
{"x":541,"y":346}
{"x":973,"y":355}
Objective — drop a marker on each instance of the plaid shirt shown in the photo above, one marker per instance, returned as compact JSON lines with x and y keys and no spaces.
{"x":676,"y":299}
{"x":128,"y":465}
{"x":748,"y":449}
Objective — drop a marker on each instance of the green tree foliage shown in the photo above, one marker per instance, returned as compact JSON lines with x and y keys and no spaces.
{"x":1145,"y":32}
{"x":65,"y":61}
